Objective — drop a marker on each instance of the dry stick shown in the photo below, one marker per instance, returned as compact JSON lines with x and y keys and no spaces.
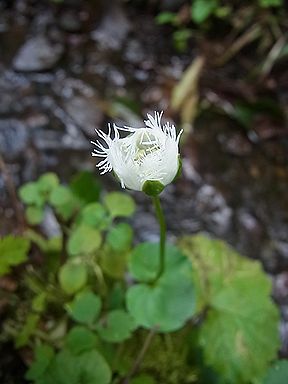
{"x":140,"y":357}
{"x":253,"y":33}
{"x":273,"y":55}
{"x":13,"y":195}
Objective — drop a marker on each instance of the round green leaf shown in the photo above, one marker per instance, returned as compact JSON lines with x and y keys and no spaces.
{"x":248,"y":324}
{"x":95,"y":215}
{"x":60,"y":196}
{"x":83,"y":240}
{"x":34,"y":214}
{"x":13,"y":251}
{"x":72,"y":277}
{"x":80,"y":339}
{"x":48,"y":182}
{"x":85,"y":307}
{"x":237,"y":293}
{"x":120,"y":237}
{"x":64,"y":201}
{"x":88,"y":367}
{"x":144,"y":261}
{"x":117,"y":326}
{"x":113,"y":263}
{"x":30,"y":194}
{"x":168,"y":304}
{"x":119,"y":204}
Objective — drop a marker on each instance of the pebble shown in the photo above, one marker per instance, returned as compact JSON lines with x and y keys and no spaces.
{"x":37,"y":54}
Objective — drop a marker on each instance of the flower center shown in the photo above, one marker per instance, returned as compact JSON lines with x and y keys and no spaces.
{"x":146,"y":143}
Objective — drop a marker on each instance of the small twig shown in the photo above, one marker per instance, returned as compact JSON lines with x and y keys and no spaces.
{"x":273,"y":55}
{"x":13,"y":195}
{"x":100,"y":277}
{"x":252,"y":34}
{"x":140,"y":357}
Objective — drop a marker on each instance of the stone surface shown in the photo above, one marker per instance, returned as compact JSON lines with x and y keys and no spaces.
{"x":113,"y":29}
{"x":37,"y":54}
{"x":13,"y":137}
{"x":85,"y":112}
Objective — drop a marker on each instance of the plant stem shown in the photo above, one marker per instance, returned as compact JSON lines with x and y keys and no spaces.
{"x":162,"y":224}
{"x":140,"y":356}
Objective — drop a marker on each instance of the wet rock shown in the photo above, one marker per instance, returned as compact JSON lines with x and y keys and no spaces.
{"x":36,"y":120}
{"x":146,"y":226}
{"x":85,"y":112}
{"x":37,"y":54}
{"x":13,"y":137}
{"x":213,"y":209}
{"x":280,"y":288}
{"x":282,"y":248}
{"x":48,"y":140}
{"x":249,"y":232}
{"x":50,"y":225}
{"x":284,"y":339}
{"x":235,"y":144}
{"x":134,"y":52}
{"x":113,"y":29}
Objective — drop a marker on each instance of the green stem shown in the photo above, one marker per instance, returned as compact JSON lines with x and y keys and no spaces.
{"x":162,"y":224}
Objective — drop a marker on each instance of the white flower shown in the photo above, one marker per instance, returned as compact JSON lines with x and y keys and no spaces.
{"x":146,"y":154}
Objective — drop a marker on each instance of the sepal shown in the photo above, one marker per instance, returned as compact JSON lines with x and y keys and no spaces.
{"x":152,"y":187}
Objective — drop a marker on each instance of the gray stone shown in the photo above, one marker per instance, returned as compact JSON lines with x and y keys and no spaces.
{"x":113,"y":29}
{"x":13,"y":137}
{"x":37,"y":54}
{"x":85,"y":112}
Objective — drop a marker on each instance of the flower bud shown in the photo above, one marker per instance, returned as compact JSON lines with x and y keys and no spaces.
{"x":146,"y":159}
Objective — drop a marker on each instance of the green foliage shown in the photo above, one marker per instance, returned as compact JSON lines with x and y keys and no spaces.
{"x":270,"y":3}
{"x":202,"y":9}
{"x":43,"y":356}
{"x":119,"y":204}
{"x":72,"y":277}
{"x":117,"y":326}
{"x":120,"y":237}
{"x":13,"y":251}
{"x":64,"y":202}
{"x":169,"y":302}
{"x":86,"y":187}
{"x":92,"y":296}
{"x":34,"y":214}
{"x":206,"y":14}
{"x":28,"y":329}
{"x":83,"y":240}
{"x":88,"y":367}
{"x":278,"y":373}
{"x":48,"y":182}
{"x":166,"y":18}
{"x":169,"y":359}
{"x":113,"y":263}
{"x":95,"y":215}
{"x":80,"y":339}
{"x":236,"y":295}
{"x":85,"y":307}
{"x":143,"y":379}
{"x":30,"y":193}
